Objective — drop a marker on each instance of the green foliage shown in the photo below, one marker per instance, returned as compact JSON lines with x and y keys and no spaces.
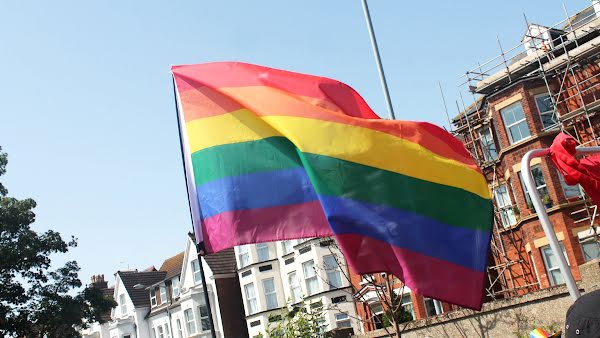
{"x":34,"y":300}
{"x":302,"y":321}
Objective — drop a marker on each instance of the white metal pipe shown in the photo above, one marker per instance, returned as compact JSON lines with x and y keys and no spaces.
{"x":386,"y":92}
{"x":540,"y":209}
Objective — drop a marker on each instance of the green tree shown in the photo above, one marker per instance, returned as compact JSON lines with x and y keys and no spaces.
{"x":301,"y":321}
{"x":34,"y":300}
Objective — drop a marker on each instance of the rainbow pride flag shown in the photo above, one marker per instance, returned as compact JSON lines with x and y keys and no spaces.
{"x":275,"y":155}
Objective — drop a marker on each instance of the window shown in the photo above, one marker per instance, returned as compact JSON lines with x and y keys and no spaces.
{"x":551,"y":263}
{"x":204,"y":320}
{"x":179,"y":329}
{"x":189,"y":320}
{"x":490,"y":153}
{"x":569,"y":190}
{"x":433,"y":307}
{"x":175,"y":287}
{"x":537,"y":276}
{"x":161,"y":332}
{"x":310,"y":277}
{"x":163,"y":294}
{"x":540,"y":183}
{"x":339,"y":299}
{"x":262,"y":249}
{"x":167,"y":331}
{"x":342,"y":320}
{"x":153,"y":333}
{"x":515,"y":123}
{"x":334,"y":278}
{"x":265,"y":268}
{"x":406,"y":303}
{"x":590,"y":248}
{"x":244,"y":255}
{"x":544,"y":105}
{"x":123,"y":304}
{"x":504,"y":206}
{"x":250,"y":298}
{"x":270,"y":295}
{"x":377,"y":313}
{"x":286,"y":247}
{"x":295,"y":288}
{"x":196,"y":271}
{"x":289,"y":261}
{"x":153,"y":297}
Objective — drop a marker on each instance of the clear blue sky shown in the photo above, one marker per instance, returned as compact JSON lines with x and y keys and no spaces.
{"x":86,"y":104}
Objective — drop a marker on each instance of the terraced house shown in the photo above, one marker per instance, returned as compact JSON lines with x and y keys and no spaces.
{"x":523,"y":98}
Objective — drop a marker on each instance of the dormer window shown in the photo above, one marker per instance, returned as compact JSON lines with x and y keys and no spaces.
{"x":153,"y":297}
{"x":123,"y":304}
{"x":196,"y":271}
{"x":163,"y":294}
{"x":175,"y":287}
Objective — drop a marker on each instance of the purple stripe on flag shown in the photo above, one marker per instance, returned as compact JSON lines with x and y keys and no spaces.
{"x":265,"y":224}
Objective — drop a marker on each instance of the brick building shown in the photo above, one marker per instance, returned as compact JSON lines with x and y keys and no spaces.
{"x":522,"y":100}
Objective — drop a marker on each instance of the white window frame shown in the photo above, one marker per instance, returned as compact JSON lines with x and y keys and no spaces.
{"x":175,"y":287}
{"x":542,"y":188}
{"x":504,"y":205}
{"x":167,"y":331}
{"x":153,"y":301}
{"x":196,"y":271}
{"x":537,"y":275}
{"x":510,"y":109}
{"x":203,"y":318}
{"x":270,"y":293}
{"x":295,"y":288}
{"x":262,"y":252}
{"x":550,"y":112}
{"x":332,"y":268}
{"x":287,"y":247}
{"x":161,"y":332}
{"x":342,"y":320}
{"x":163,"y":294}
{"x":251,"y":301}
{"x":189,"y":321}
{"x":488,"y":145}
{"x":179,"y":328}
{"x":568,"y":189}
{"x":310,"y":277}
{"x":123,"y":304}
{"x":437,"y":306}
{"x":244,"y":255}
{"x":545,"y":250}
{"x":407,"y":305}
{"x":591,"y":241}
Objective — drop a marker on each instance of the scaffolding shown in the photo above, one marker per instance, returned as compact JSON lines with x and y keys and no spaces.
{"x":566,"y":58}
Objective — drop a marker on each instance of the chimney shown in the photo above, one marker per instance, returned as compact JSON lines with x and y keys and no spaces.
{"x":98,"y":282}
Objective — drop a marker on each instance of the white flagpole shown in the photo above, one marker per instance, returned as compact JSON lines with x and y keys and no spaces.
{"x":384,"y":85}
{"x":540,"y":209}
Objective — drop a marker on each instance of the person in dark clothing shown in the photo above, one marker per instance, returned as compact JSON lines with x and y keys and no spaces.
{"x":583,"y":317}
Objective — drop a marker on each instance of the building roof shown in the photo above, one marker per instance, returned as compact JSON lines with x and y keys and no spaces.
{"x":140,"y":297}
{"x":172,"y":266}
{"x":222,"y":262}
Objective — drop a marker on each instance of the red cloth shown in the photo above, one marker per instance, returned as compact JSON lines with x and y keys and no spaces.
{"x":585,"y":172}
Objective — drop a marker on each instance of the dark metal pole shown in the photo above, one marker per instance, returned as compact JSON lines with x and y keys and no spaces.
{"x":199,"y":246}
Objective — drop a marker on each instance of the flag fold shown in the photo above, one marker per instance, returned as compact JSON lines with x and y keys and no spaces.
{"x":275,"y":155}
{"x":585,"y":172}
